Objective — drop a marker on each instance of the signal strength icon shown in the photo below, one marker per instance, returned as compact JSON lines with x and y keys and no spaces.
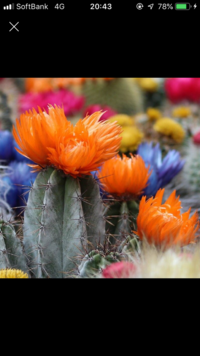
{"x":9,"y":7}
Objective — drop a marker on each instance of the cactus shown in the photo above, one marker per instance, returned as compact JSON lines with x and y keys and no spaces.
{"x":121,"y":219}
{"x":120,"y":94}
{"x":5,"y":113}
{"x":11,"y":249}
{"x":93,"y":263}
{"x":60,"y":221}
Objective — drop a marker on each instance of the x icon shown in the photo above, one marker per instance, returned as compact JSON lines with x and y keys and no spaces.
{"x":13,"y":26}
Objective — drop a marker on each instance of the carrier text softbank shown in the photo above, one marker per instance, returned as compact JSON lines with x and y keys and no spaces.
{"x":32,"y":7}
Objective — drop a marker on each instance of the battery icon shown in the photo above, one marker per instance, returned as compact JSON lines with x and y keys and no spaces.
{"x":183,"y":6}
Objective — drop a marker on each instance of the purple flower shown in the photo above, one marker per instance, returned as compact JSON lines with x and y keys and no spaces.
{"x":163,"y":171}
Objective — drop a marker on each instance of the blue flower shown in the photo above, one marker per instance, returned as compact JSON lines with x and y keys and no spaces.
{"x":6,"y":145}
{"x":163,"y":171}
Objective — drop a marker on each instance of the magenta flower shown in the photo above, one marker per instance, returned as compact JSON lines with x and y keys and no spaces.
{"x":96,"y":107}
{"x":178,"y":89}
{"x":71,"y":103}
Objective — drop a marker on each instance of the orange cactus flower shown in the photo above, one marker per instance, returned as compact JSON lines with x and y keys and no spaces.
{"x":124,"y":178}
{"x":88,"y":146}
{"x":162,"y":224}
{"x":49,"y":139}
{"x":37,"y":85}
{"x":65,"y":82}
{"x":35,"y":132}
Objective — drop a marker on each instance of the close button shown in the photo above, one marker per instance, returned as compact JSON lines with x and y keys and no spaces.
{"x":13,"y":26}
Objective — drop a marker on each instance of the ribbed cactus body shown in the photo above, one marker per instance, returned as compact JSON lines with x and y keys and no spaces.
{"x":93,"y":210}
{"x":58,"y":224}
{"x":120,"y":94}
{"x":121,"y":219}
{"x":11,"y":250}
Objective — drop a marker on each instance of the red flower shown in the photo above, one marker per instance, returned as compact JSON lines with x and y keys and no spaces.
{"x":196,"y":138}
{"x":119,"y":270}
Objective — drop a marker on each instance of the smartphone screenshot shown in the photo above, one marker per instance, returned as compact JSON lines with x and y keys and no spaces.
{"x":99,"y":140}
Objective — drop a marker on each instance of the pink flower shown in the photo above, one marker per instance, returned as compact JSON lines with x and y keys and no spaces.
{"x":119,"y":270}
{"x":71,"y":102}
{"x":196,"y":138}
{"x":178,"y":89}
{"x":96,"y":107}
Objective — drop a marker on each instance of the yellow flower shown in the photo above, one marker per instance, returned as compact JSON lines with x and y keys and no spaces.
{"x":153,"y":114}
{"x":170,"y":128}
{"x":148,"y":84}
{"x":12,"y":273}
{"x":122,"y":120}
{"x":131,"y":138}
{"x":181,"y":111}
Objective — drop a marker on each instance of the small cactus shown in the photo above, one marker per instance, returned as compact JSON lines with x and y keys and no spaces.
{"x":11,"y":249}
{"x":94,"y":262}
